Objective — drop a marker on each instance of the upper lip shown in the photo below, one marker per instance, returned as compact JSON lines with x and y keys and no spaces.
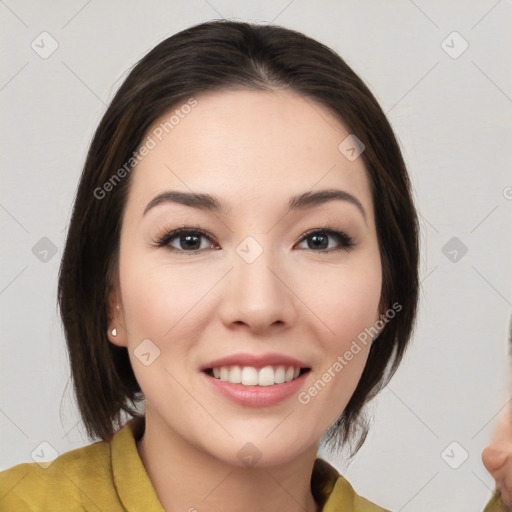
{"x":256,"y":360}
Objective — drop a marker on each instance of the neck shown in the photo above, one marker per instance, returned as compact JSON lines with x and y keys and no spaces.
{"x":187,"y":478}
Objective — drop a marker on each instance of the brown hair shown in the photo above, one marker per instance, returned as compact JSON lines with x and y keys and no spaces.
{"x":219,"y":55}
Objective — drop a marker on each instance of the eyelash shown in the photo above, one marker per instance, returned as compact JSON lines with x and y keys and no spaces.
{"x":346,"y":242}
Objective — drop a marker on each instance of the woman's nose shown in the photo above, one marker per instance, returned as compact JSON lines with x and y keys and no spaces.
{"x":494,"y":457}
{"x":258,"y":294}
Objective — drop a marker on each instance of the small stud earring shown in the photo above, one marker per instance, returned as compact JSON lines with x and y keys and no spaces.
{"x":114,"y":332}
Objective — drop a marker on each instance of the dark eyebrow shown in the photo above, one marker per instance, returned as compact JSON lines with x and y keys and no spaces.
{"x":210,"y":203}
{"x":195,"y":200}
{"x":310,"y":199}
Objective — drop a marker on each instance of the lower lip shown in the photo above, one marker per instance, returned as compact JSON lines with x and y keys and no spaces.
{"x":256,"y":396}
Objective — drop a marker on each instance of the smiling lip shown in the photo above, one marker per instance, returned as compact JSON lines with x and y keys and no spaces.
{"x":256,"y":396}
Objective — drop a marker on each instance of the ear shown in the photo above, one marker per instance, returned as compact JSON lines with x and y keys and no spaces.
{"x":116,"y":331}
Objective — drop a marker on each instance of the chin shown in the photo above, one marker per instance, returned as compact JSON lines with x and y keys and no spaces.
{"x":259,"y":451}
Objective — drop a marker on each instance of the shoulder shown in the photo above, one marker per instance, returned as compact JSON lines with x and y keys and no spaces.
{"x":67,"y":483}
{"x":335,"y":493}
{"x":494,"y":504}
{"x":345,"y":498}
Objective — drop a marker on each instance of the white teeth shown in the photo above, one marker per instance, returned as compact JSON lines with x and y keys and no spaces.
{"x":250,"y":376}
{"x":235,"y":375}
{"x":266,"y":376}
{"x":279,"y":375}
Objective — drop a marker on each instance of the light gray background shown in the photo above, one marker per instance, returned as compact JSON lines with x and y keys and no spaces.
{"x":453,"y":119}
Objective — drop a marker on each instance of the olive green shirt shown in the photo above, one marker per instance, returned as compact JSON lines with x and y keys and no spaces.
{"x":494,"y":504}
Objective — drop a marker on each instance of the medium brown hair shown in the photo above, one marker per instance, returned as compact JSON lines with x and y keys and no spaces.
{"x":216,"y":56}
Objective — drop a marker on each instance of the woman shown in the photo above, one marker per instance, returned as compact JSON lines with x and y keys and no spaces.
{"x":497,"y":455}
{"x":242,"y":260}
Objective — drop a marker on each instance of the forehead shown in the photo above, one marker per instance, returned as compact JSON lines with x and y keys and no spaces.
{"x":250,"y":145}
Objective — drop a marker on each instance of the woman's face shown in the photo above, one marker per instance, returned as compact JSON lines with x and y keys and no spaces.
{"x":254,"y":287}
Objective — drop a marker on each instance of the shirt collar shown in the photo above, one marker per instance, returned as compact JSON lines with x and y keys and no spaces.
{"x":135,"y":490}
{"x":323,"y":480}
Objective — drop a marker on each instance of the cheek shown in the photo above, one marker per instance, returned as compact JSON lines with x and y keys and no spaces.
{"x":160,"y":305}
{"x":357,"y":304}
{"x":344,"y":298}
{"x":158,"y":297}
{"x":346,"y":301}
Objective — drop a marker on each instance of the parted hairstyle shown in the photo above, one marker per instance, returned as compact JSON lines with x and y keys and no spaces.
{"x":219,"y":56}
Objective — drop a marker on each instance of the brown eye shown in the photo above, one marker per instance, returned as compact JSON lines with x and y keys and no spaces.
{"x":318,"y":240}
{"x":185,"y":240}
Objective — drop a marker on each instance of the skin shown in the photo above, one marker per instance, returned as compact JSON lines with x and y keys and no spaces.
{"x":497,"y":457}
{"x":253,"y":150}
